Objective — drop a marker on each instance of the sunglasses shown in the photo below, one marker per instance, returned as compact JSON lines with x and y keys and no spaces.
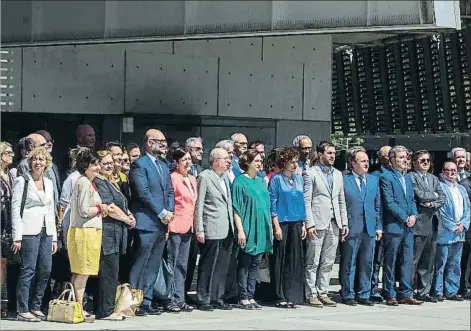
{"x":423,"y":161}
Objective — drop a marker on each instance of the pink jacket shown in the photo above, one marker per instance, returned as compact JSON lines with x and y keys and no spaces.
{"x":184,"y":204}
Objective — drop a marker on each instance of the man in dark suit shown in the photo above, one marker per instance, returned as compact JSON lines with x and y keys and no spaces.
{"x":195,"y":146}
{"x":465,"y":283}
{"x":383,"y":166}
{"x":152,"y":205}
{"x":429,"y":197}
{"x":363,"y":200}
{"x":399,"y":217}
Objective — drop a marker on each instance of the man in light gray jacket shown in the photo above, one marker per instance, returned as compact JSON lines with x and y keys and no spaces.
{"x":214,"y":227}
{"x":326,"y":223}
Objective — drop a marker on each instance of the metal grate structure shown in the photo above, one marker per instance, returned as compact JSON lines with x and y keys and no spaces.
{"x":418,"y":85}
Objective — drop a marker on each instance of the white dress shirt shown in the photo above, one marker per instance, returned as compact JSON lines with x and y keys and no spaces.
{"x":458,"y":201}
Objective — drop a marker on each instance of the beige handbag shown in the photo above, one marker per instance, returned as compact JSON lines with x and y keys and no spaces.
{"x":127,"y":300}
{"x":65,"y":310}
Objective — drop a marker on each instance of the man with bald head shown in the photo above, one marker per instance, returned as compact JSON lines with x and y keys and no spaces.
{"x":214,"y":227}
{"x":85,"y":136}
{"x":39,"y":141}
{"x":240,"y":146}
{"x":152,"y":205}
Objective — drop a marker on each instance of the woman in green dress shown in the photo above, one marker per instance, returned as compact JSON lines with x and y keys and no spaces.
{"x":251,"y":204}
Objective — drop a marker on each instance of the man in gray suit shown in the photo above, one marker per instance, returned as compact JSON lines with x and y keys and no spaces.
{"x":326,"y":220}
{"x":429,"y":197}
{"x":214,"y":227}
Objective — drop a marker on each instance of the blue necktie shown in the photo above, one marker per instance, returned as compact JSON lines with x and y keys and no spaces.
{"x":159,"y":167}
{"x":362,"y":183}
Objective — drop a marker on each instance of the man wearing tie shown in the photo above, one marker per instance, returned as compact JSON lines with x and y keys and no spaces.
{"x":363,"y":200}
{"x":214,"y":227}
{"x":429,"y":197}
{"x":458,"y":156}
{"x":152,"y":205}
{"x":399,"y":217}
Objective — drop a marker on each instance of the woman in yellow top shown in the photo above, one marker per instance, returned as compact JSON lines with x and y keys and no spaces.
{"x":85,"y":232}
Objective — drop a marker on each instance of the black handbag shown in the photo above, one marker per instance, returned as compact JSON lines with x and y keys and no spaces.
{"x":7,"y":239}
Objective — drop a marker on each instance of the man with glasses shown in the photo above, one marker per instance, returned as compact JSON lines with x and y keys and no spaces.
{"x":195,"y":146}
{"x":153,"y":203}
{"x":240,"y":146}
{"x":429,"y":197}
{"x":454,"y":222}
{"x":304,"y":145}
{"x":214,"y":228}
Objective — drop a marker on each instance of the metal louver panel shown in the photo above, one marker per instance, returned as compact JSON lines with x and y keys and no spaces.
{"x":10,"y":82}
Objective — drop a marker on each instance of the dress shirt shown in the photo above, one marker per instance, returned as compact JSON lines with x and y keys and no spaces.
{"x":402,"y":179}
{"x":287,"y":200}
{"x":156,"y":162}
{"x":329,"y":175}
{"x":457,"y":201}
{"x":357,"y":179}
{"x":231,"y":175}
{"x":222,"y":183}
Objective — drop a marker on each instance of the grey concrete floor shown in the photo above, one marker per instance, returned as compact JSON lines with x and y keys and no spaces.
{"x":442,"y":316}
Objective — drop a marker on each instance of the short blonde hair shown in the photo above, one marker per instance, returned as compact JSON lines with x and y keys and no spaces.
{"x":103,"y":153}
{"x":3,"y":147}
{"x":40,"y":151}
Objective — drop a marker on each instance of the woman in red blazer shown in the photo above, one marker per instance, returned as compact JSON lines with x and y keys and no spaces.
{"x":181,"y":228}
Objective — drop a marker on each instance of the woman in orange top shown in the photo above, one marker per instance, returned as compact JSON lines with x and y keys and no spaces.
{"x":181,"y":228}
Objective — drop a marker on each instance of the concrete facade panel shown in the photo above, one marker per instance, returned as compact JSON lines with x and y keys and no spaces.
{"x":227,"y":16}
{"x":317,"y":85}
{"x":11,"y":79}
{"x":298,"y":48}
{"x":16,"y":21}
{"x":286,"y":131}
{"x":144,"y":18}
{"x":170,"y":84}
{"x":73,"y":79}
{"x":62,"y":20}
{"x":270,"y":89}
{"x":248,"y":48}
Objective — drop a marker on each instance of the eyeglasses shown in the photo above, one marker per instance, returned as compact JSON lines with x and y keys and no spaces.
{"x":126,"y":161}
{"x":451,"y":171}
{"x":8,"y":153}
{"x":422,"y":161}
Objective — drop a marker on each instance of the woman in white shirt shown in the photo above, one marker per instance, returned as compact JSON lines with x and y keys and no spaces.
{"x":34,"y":233}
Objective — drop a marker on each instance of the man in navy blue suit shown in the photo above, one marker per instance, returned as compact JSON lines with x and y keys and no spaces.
{"x":362,"y":196}
{"x":152,"y":205}
{"x":399,"y":217}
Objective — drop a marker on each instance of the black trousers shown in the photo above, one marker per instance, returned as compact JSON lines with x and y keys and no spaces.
{"x":191,"y":266}
{"x":465,"y":282}
{"x":377,"y":263}
{"x":424,"y":258}
{"x":212,"y":269}
{"x":287,"y":264}
{"x":107,"y":283}
{"x":232,"y":288}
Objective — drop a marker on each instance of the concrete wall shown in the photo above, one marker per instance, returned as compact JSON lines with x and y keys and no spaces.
{"x":70,"y":20}
{"x":285,"y":79}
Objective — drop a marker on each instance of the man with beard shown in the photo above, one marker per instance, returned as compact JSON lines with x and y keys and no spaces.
{"x":399,"y":217}
{"x":152,"y":205}
{"x":304,"y":145}
{"x":429,"y":197}
{"x":195,"y":146}
{"x":240,"y":146}
{"x":326,"y":223}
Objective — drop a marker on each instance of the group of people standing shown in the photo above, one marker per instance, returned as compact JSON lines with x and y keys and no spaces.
{"x":121,"y":211}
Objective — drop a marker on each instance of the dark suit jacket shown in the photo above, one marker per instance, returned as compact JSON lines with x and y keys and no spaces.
{"x":397,"y":204}
{"x":467,"y":185}
{"x":427,"y":221}
{"x":363,"y":209}
{"x":151,"y":193}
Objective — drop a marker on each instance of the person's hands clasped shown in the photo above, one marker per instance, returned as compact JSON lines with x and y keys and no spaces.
{"x":459,"y":229}
{"x":132,"y":221}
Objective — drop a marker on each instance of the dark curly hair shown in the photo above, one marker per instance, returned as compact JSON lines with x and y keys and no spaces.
{"x":247,"y":157}
{"x":286,"y":155}
{"x":84,"y":157}
{"x":270,"y":159}
{"x":179,"y":153}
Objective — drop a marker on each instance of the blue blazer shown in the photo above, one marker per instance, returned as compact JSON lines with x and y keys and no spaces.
{"x":397,"y":204}
{"x":151,"y":193}
{"x":363,"y":209}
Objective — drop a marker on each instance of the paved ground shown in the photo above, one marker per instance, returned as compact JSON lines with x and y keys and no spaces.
{"x":443,"y":316}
